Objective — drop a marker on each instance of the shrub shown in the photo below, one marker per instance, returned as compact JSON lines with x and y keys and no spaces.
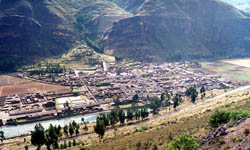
{"x":235,"y":115}
{"x":246,"y":132}
{"x":184,"y":142}
{"x":222,"y":116}
{"x":219,"y":117}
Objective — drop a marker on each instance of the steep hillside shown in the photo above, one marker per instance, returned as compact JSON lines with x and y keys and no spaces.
{"x":95,"y":18}
{"x":37,"y":28}
{"x":51,"y":27}
{"x":139,"y":29}
{"x":177,"y":29}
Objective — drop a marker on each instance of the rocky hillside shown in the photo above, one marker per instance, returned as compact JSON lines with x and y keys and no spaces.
{"x":139,"y":29}
{"x":233,"y":136}
{"x":177,"y":29}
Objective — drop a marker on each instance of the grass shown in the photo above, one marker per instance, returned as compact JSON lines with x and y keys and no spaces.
{"x":125,"y":106}
{"x":130,"y":105}
{"x":242,"y":76}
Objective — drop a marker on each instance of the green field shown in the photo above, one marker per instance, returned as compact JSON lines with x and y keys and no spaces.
{"x":235,"y":71}
{"x":125,"y":106}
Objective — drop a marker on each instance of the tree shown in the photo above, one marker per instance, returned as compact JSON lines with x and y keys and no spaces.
{"x":83,"y":120}
{"x":65,"y":144}
{"x":137,"y":114}
{"x":85,"y":126}
{"x":37,"y":136}
{"x":176,"y":102}
{"x":26,"y":147}
{"x":48,"y":141}
{"x":77,"y":130}
{"x":184,"y":142}
{"x":136,"y":98}
{"x":99,"y":128}
{"x":71,"y":129}
{"x":66,"y":130}
{"x":165,"y":98}
{"x":51,"y":137}
{"x":1,"y":136}
{"x":194,"y":95}
{"x":74,"y":124}
{"x":153,"y":106}
{"x":70,"y":144}
{"x":114,"y":117}
{"x":130,"y":115}
{"x":122,"y":116}
{"x":144,"y":113}
{"x":105,"y":118}
{"x":58,"y":131}
{"x":203,"y":92}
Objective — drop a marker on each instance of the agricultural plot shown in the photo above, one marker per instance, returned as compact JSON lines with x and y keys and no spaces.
{"x":31,"y":87}
{"x":8,"y":80}
{"x":239,"y":62}
{"x":238,"y":69}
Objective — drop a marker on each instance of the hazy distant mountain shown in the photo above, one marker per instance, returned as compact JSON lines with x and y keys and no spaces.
{"x":139,"y":29}
{"x":241,"y":4}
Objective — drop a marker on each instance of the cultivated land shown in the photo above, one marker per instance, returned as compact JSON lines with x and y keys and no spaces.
{"x":239,"y":62}
{"x":30,"y":87}
{"x":235,"y":68}
{"x":9,"y":80}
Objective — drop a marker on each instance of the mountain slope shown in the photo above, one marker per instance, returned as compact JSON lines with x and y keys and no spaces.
{"x":139,"y":29}
{"x":50,"y":27}
{"x":244,"y":5}
{"x":38,"y":28}
{"x":176,"y":29}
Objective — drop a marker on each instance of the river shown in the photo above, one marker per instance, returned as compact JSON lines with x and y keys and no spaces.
{"x":12,"y":131}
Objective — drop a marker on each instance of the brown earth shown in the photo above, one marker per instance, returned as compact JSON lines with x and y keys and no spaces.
{"x":30,"y":87}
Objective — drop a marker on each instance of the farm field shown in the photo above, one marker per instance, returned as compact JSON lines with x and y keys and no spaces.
{"x":30,"y":87}
{"x":239,"y":62}
{"x":8,"y":80}
{"x":238,"y":69}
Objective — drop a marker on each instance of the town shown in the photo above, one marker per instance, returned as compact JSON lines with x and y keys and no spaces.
{"x":104,"y":88}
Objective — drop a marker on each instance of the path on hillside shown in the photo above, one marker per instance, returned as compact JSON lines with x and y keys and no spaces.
{"x":163,"y":115}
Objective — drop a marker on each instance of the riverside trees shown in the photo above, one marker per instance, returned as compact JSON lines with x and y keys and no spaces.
{"x":2,"y":136}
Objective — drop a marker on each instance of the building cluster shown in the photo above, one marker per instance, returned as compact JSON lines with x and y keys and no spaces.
{"x":100,"y":88}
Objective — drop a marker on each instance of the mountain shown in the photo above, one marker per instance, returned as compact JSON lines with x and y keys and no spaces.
{"x":244,"y":5}
{"x":44,"y":28}
{"x":151,"y":30}
{"x":177,"y":29}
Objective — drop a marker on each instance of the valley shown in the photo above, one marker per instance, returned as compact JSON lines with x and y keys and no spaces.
{"x":91,"y":93}
{"x":124,"y":74}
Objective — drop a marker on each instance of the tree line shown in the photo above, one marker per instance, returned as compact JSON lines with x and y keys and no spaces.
{"x":50,"y":137}
{"x":118,"y":116}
